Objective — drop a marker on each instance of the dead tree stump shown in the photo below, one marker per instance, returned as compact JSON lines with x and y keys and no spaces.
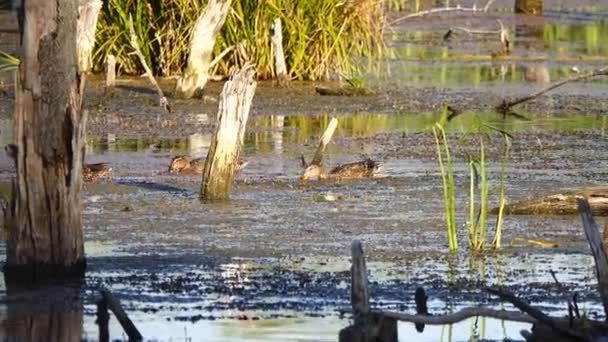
{"x":368,"y":327}
{"x":280,"y":69}
{"x":45,"y":238}
{"x":225,"y":147}
{"x":88,"y":12}
{"x":205,"y":31}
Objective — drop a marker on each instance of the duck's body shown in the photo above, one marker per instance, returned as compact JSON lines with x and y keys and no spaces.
{"x":187,"y":166}
{"x":362,"y":169}
{"x":97,"y":171}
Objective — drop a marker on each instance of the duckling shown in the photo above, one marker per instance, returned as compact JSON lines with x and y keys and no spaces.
{"x":97,"y":171}
{"x":188,"y":166}
{"x":362,"y":169}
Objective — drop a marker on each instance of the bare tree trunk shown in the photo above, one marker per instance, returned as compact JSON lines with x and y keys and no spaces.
{"x":44,"y":217}
{"x":225,"y":147}
{"x":205,"y":31}
{"x":280,"y":69}
{"x":88,"y":12}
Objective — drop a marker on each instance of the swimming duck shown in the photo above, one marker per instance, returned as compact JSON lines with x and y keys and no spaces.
{"x":188,"y":166}
{"x":97,"y":171}
{"x":362,"y":169}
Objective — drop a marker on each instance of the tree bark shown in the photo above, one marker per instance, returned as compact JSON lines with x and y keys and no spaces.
{"x":205,"y":31}
{"x":45,"y":237}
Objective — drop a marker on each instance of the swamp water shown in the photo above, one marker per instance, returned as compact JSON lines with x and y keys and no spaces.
{"x":272,"y":265}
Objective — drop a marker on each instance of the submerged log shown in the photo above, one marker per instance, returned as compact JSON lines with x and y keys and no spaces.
{"x":45,"y":238}
{"x":222,"y":158}
{"x":202,"y":40}
{"x":561,"y":204}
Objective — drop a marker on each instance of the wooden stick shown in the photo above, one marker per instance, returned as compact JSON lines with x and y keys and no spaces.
{"x":279,"y":56}
{"x":102,"y":320}
{"x":325,"y":139}
{"x":505,"y":106}
{"x":359,"y":291}
{"x":163,"y":102}
{"x":434,"y":11}
{"x":126,"y":323}
{"x":421,"y":306}
{"x":540,"y":316}
{"x":88,"y":12}
{"x":597,"y":249}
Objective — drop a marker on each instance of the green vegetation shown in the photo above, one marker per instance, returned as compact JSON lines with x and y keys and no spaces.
{"x":319,"y":37}
{"x":8,"y":62}
{"x":478,"y":178}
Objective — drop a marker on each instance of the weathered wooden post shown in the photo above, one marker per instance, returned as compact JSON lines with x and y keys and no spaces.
{"x":45,"y":237}
{"x":280,"y":69}
{"x":110,"y":75}
{"x":88,"y":12}
{"x":368,"y":327}
{"x":205,"y":31}
{"x":225,"y":147}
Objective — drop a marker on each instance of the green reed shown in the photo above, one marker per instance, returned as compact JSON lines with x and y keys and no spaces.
{"x":501,"y":198}
{"x":446,"y":168}
{"x":8,"y":62}
{"x":320,"y":38}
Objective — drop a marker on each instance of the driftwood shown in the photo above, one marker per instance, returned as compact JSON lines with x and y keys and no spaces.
{"x":561,"y":204}
{"x":276,"y":38}
{"x":325,"y":139}
{"x":114,"y":305}
{"x":505,"y":106}
{"x":343,"y":91}
{"x":457,"y":8}
{"x":221,"y":162}
{"x":163,"y":102}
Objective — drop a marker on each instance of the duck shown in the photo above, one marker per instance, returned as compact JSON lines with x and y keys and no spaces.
{"x":96,"y":171}
{"x":188,"y":166}
{"x":361,"y":169}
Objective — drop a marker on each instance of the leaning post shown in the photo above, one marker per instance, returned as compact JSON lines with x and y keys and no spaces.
{"x":276,"y":38}
{"x":221,"y":162}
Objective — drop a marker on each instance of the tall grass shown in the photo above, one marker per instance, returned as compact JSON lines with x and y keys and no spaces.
{"x":319,"y":37}
{"x":8,"y":62}
{"x":479,"y":188}
{"x":446,"y":169}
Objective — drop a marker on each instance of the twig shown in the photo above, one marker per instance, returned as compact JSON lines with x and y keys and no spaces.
{"x":162,"y":99}
{"x":597,"y":249}
{"x":464,"y":29}
{"x":487,"y":6}
{"x":505,"y":106}
{"x":126,"y":323}
{"x":219,"y":57}
{"x":435,"y":10}
{"x":537,"y":314}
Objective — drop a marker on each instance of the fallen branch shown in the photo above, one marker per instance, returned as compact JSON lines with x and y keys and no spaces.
{"x":434,"y":11}
{"x":597,"y":249}
{"x":126,"y":323}
{"x":325,"y":139}
{"x":161,"y":96}
{"x":540,"y":316}
{"x":459,"y":316}
{"x":505,"y":106}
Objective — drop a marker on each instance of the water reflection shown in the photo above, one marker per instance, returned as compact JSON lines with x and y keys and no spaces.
{"x":47,"y":314}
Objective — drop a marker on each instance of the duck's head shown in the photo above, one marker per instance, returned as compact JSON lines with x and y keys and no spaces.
{"x":312,"y":171}
{"x":179,"y":164}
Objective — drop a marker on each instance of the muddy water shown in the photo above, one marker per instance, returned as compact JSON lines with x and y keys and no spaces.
{"x":273,"y":263}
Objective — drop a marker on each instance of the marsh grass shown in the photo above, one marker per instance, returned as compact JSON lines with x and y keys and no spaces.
{"x":319,"y":37}
{"x":8,"y":62}
{"x":479,"y":188}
